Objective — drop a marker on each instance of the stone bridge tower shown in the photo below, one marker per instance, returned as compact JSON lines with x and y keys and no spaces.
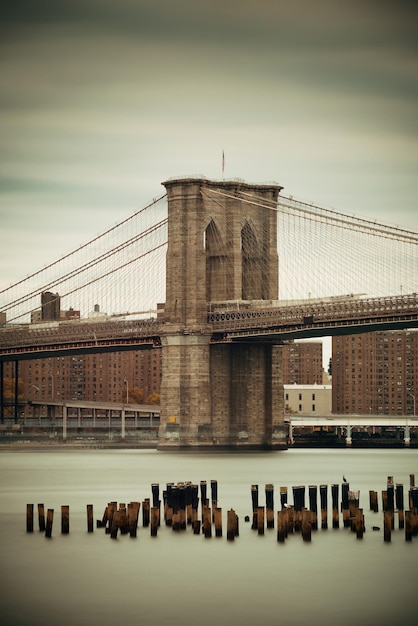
{"x":222,"y":247}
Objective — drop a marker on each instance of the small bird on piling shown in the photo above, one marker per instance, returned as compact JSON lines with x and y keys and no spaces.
{"x":344,"y":479}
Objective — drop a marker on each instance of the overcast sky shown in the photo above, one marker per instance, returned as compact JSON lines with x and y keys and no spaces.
{"x":102,"y":100}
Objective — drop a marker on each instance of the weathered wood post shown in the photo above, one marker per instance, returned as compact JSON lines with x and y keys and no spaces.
{"x":299,"y":504}
{"x":281,"y":525}
{"x":156,"y":503}
{"x":111,"y":509}
{"x":345,"y":507}
{"x":49,"y":522}
{"x":89,"y":518}
{"x":313,"y":506}
{"x":203,"y":495}
{"x":65,"y":519}
{"x":154,"y":520}
{"x":124,"y":524}
{"x":195,"y":503}
{"x":207,"y":522}
{"x":146,"y":505}
{"x":218,"y":522}
{"x":41,"y":517}
{"x":323,"y":496}
{"x":408,"y":526}
{"x":269,"y":505}
{"x":29,"y":518}
{"x":115,"y":524}
{"x":175,"y":503}
{"x":359,"y":523}
{"x":414,"y":510}
{"x":133,"y":514}
{"x":335,"y":514}
{"x":306,"y":524}
{"x":283,"y":497}
{"x":168,"y":509}
{"x":400,"y":505}
{"x":391,"y":501}
{"x":373,"y":501}
{"x":189,"y":508}
{"x":254,"y":501}
{"x":214,"y":494}
{"x":232,"y":525}
{"x":182,"y":499}
{"x":260,"y":520}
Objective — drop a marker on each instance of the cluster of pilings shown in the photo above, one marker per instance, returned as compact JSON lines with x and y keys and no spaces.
{"x":298,"y":518}
{"x":179,"y":509}
{"x":45,"y":523}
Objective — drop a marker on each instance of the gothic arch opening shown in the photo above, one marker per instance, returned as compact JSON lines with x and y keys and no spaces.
{"x":216,"y":288}
{"x":252,"y":275}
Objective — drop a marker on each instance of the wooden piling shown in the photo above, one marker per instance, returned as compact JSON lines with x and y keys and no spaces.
{"x":214,"y":495}
{"x":189,"y":507}
{"x":146,"y":512}
{"x":155,"y":490}
{"x":133,"y":514}
{"x":408,"y":526}
{"x":269,"y":490}
{"x":281,"y":525}
{"x":168,"y":508}
{"x":414,"y":510}
{"x":123,"y":523}
{"x":345,"y":506}
{"x":260,"y":520}
{"x":335,"y":514}
{"x":306,"y":525}
{"x":65,"y":519}
{"x":359,"y":523}
{"x":115,"y":524}
{"x":155,"y":510}
{"x":373,"y":501}
{"x":391,"y":500}
{"x":313,"y":506}
{"x":387,"y":526}
{"x":89,"y":518}
{"x":49,"y":522}
{"x":207,"y":522}
{"x":283,"y":497}
{"x":299,"y":504}
{"x":29,"y":518}
{"x":399,"y":498}
{"x":232,"y":525}
{"x":203,"y":496}
{"x":175,"y":504}
{"x":254,"y":502}
{"x":323,"y":496}
{"x":218,"y":522}
{"x":182,"y":500}
{"x":41,"y":517}
{"x":111,"y":509}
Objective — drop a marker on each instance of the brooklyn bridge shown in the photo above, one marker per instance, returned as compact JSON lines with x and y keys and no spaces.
{"x":218,"y":274}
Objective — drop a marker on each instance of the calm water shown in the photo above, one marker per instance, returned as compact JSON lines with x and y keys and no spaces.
{"x":180,"y":578}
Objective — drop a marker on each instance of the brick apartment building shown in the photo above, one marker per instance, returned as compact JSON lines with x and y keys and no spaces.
{"x":302,"y":363}
{"x":375,"y":373}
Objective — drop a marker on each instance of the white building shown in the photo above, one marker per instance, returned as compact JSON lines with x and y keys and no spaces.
{"x":308,"y":399}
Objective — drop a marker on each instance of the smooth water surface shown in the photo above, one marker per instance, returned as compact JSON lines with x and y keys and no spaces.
{"x":180,"y":578}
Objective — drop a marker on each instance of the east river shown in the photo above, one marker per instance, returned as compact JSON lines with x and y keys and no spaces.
{"x":179,"y":578}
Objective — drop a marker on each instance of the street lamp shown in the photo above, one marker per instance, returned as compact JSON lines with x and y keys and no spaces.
{"x":413,"y":398}
{"x":127,"y":389}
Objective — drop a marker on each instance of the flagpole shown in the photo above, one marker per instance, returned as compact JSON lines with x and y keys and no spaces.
{"x":223,"y":164}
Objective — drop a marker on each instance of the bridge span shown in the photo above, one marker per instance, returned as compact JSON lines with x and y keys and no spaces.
{"x":347,"y":424}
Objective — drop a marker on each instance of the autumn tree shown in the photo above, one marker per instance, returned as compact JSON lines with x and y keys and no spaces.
{"x":154,"y":398}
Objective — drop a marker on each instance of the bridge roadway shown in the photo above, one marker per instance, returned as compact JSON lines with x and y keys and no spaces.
{"x":348,"y":422}
{"x":231,"y":321}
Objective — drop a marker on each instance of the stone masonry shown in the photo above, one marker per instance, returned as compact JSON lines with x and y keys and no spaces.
{"x":219,"y":249}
